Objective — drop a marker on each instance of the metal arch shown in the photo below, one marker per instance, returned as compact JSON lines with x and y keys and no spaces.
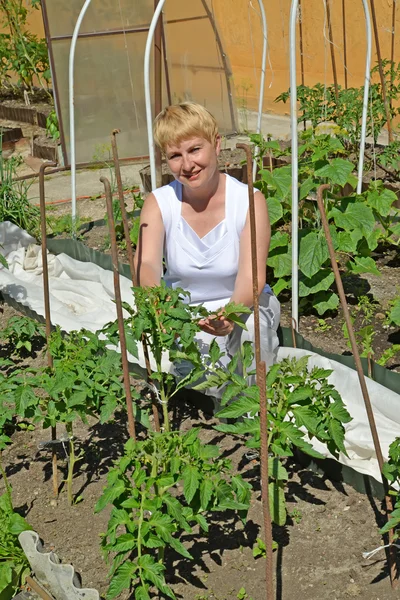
{"x":72,"y":111}
{"x":262,"y":81}
{"x":147,"y":94}
{"x":295,"y":166}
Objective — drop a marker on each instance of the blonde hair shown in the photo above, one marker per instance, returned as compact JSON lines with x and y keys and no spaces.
{"x":183,"y":121}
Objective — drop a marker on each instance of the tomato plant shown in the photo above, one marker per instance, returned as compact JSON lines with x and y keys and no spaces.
{"x":160,"y":489}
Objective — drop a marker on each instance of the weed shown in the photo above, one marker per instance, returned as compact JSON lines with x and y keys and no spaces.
{"x":52,"y":127}
{"x":323,"y":326}
{"x":14,"y":204}
{"x":260,"y":549}
{"x":296,"y":515}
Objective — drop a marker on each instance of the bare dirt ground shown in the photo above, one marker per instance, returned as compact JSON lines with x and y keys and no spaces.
{"x":320,"y":549}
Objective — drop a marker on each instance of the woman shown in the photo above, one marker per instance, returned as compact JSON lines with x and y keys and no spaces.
{"x":200,"y":224}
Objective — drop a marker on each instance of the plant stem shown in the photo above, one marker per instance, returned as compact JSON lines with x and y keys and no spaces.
{"x":71,"y":464}
{"x":164,"y":403}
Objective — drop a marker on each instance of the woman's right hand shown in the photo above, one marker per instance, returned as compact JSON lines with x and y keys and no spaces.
{"x":217,"y":325}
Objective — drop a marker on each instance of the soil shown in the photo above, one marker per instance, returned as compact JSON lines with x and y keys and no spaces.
{"x":320,"y":554}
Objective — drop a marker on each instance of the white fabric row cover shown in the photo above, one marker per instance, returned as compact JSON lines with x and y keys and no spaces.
{"x":81,"y":296}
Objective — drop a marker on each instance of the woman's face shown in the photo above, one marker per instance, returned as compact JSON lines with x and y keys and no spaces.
{"x":193,"y":162}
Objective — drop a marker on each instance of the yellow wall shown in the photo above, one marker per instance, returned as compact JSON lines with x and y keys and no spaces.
{"x":240,"y":27}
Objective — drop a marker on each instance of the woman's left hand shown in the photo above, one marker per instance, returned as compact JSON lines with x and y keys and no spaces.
{"x":217,"y":325}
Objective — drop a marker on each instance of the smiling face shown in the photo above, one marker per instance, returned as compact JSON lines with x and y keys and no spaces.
{"x":194,"y":162}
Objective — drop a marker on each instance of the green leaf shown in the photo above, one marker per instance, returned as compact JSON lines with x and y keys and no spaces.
{"x":394,"y":521}
{"x":337,"y":171}
{"x":6,"y":576}
{"x":363,"y":264}
{"x":215,"y":351}
{"x":394,"y":314}
{"x":313,"y":253}
{"x":296,"y":437}
{"x":154,"y":542}
{"x":141,"y":593}
{"x":381,"y":201}
{"x":175,"y":510}
{"x":306,"y":187}
{"x":121,"y":579}
{"x":281,"y":179}
{"x":17,"y":524}
{"x":301,"y":393}
{"x":206,"y":489}
{"x":180,"y":548}
{"x":190,"y":482}
{"x":305,"y":417}
{"x":321,"y":281}
{"x":278,"y":240}
{"x":348,"y":240}
{"x":124,"y":542}
{"x":336,"y":431}
{"x":281,"y":262}
{"x":280,"y":285}
{"x":275,"y":210}
{"x":277,"y":503}
{"x":238,"y":408}
{"x":339,"y":412}
{"x":325,"y":301}
{"x":107,"y":409}
{"x":356,"y":216}
{"x":272,"y":375}
{"x":208,"y":451}
{"x":153,"y":571}
{"x":276,"y":469}
{"x":77,"y":399}
{"x":110,"y":494}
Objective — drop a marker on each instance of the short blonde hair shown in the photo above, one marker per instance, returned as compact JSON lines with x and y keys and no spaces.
{"x":183,"y":121}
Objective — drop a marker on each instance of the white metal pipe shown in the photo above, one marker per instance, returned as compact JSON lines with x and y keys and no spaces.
{"x":295,"y":165}
{"x":366,"y":95}
{"x":72,"y":158}
{"x":263,"y":73}
{"x":147,"y":92}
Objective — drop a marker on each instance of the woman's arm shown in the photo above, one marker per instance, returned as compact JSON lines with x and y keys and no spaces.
{"x":149,"y":251}
{"x":243,"y":292}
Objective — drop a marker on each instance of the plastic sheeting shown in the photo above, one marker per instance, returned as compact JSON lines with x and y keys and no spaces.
{"x":81,"y":295}
{"x":109,"y":70}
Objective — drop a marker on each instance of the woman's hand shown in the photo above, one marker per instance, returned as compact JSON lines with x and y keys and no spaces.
{"x":217,"y":325}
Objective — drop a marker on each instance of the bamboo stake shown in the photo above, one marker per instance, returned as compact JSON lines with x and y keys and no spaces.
{"x":332,"y":49}
{"x":392,"y":49}
{"x":42,"y":197}
{"x":301,"y":51}
{"x":129,"y":251}
{"x":381,"y":74}
{"x":361,"y":378}
{"x":261,"y":378}
{"x":158,"y":87}
{"x":344,"y":43}
{"x":118,"y":302}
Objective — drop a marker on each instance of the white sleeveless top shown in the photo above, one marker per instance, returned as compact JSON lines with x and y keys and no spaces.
{"x":207,"y":266}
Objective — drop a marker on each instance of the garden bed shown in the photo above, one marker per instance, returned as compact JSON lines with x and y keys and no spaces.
{"x":320,"y":557}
